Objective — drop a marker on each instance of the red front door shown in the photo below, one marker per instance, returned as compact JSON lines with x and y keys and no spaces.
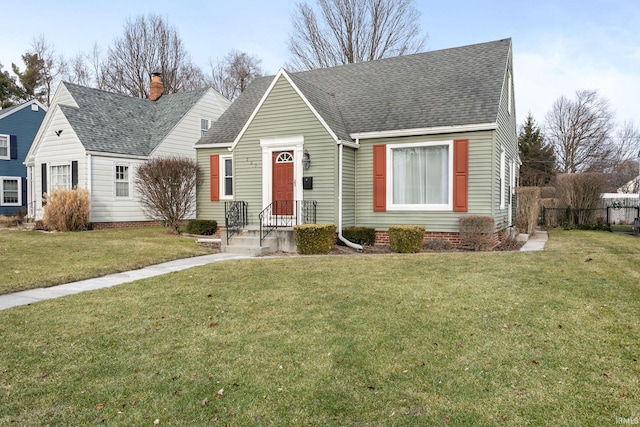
{"x":282,"y":182}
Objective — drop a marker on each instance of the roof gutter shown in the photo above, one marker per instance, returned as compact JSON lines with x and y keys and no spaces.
{"x":424,"y":131}
{"x":343,"y":239}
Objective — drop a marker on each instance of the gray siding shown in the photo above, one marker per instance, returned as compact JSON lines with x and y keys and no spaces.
{"x":480,"y":185}
{"x":205,"y":208}
{"x":507,"y":139}
{"x":285,"y":114}
{"x":348,"y":187}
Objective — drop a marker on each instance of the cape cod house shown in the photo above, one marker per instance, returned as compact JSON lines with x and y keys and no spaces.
{"x":18,"y":127}
{"x":420,"y":139}
{"x":95,"y":140}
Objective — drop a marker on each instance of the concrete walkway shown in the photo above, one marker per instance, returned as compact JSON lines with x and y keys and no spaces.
{"x":536,"y":242}
{"x":41,"y":294}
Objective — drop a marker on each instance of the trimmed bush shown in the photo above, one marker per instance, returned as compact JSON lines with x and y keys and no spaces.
{"x":476,"y":232}
{"x":528,"y":209}
{"x":406,"y":238}
{"x":547,"y":192}
{"x":202,"y":227}
{"x":314,"y":238}
{"x":359,"y":235}
{"x":67,"y":210}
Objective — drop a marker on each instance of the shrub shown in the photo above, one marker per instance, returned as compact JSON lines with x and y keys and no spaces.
{"x":581,"y":191}
{"x":528,"y":209}
{"x":359,"y":235}
{"x":67,"y":210}
{"x":406,"y":238}
{"x":437,"y":245}
{"x":547,"y":192}
{"x":476,"y":232}
{"x":202,"y":227}
{"x":314,"y":238}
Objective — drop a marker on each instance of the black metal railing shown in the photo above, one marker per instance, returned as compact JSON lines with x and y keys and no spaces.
{"x":235,"y":218}
{"x":286,"y":213}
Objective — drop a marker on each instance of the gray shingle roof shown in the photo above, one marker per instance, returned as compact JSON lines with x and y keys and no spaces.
{"x":446,"y":87}
{"x":114,"y":123}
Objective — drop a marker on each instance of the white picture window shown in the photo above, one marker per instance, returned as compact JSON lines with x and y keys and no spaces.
{"x":4,"y":147}
{"x":10,"y":191}
{"x":226,"y":183}
{"x":122,"y":180}
{"x":60,"y":177}
{"x":420,"y":176}
{"x":205,"y":124}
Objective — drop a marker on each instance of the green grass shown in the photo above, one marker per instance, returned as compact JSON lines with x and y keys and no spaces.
{"x":32,"y":259}
{"x":506,"y":338}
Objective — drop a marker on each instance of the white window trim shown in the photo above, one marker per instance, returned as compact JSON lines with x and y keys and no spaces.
{"x":269,"y":145}
{"x":8,"y":156}
{"x":16,"y":178}
{"x":503,"y":181}
{"x":424,"y":207}
{"x":115,"y":181}
{"x":510,"y":93}
{"x":223,"y":177}
{"x":50,"y":176}
{"x":209,"y":122}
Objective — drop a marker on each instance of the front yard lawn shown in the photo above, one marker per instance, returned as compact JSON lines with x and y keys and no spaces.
{"x":456,"y":339}
{"x":32,"y":259}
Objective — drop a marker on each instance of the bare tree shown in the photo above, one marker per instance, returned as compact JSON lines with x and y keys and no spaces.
{"x":53,"y":66}
{"x":351,"y":31}
{"x":232,"y":75}
{"x":580,"y":132}
{"x":167,"y":188}
{"x":148,"y":45}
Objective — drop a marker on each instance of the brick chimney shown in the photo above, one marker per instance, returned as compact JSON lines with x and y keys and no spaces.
{"x":156,"y":88}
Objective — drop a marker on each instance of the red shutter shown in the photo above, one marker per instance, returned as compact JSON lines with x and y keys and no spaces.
{"x":460,"y":175}
{"x":379,"y":178}
{"x":214,"y":166}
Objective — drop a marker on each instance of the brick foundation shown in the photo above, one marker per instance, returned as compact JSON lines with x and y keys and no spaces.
{"x":382,"y":238}
{"x":125,"y":224}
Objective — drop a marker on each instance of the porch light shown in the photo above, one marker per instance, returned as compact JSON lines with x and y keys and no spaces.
{"x":306,"y":159}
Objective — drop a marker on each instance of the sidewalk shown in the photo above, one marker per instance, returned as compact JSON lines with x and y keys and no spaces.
{"x":536,"y":242}
{"x":41,"y":294}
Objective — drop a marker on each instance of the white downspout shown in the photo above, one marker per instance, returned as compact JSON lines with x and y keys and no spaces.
{"x":340,"y":236}
{"x":89,"y":182}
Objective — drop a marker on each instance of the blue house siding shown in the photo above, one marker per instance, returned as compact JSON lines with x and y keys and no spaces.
{"x":21,"y":124}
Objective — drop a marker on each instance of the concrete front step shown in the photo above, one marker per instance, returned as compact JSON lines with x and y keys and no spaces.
{"x":248,"y":242}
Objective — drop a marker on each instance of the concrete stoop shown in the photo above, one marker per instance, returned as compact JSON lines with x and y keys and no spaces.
{"x":247,"y":242}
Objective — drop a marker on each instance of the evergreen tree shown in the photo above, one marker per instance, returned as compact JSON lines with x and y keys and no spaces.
{"x":32,"y":78}
{"x":9,"y":90}
{"x":538,"y":158}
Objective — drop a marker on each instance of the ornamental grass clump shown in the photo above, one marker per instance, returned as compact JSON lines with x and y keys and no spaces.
{"x":406,"y":238}
{"x":67,"y":210}
{"x":314,"y":238}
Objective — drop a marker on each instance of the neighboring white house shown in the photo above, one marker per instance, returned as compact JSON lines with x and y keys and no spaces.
{"x":95,"y":140}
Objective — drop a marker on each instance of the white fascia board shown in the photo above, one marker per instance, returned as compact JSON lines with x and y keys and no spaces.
{"x":425,"y":131}
{"x":21,"y":106}
{"x":348,"y":143}
{"x":282,"y":73}
{"x":228,"y":145}
{"x":117,"y":155}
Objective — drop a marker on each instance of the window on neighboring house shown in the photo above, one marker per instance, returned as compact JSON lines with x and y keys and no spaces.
{"x":122,"y":181}
{"x":226,"y":165}
{"x":420,"y":176}
{"x":4,"y":147}
{"x":60,"y":177}
{"x":11,"y":191}
{"x":205,"y":124}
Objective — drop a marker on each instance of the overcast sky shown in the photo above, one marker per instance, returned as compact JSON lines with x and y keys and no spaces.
{"x":559,"y":46}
